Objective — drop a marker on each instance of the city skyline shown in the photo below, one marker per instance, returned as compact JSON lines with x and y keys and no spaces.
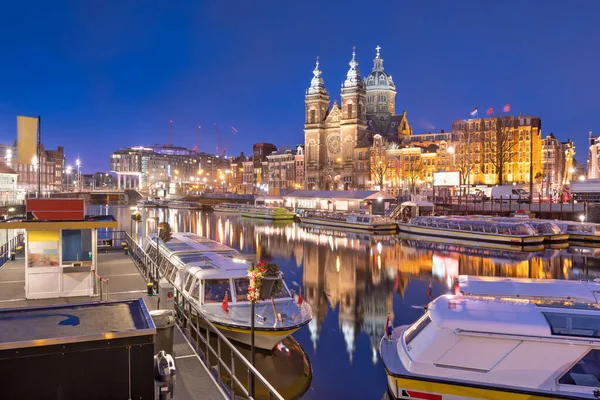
{"x":120,"y":74}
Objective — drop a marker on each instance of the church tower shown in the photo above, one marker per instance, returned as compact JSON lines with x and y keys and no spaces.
{"x":353,"y":123}
{"x":381,"y":91}
{"x":317,"y":106}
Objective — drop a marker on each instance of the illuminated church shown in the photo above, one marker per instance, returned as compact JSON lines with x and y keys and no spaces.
{"x":338,"y":138}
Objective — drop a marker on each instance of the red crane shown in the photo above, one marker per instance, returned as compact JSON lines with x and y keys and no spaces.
{"x":221,"y":149}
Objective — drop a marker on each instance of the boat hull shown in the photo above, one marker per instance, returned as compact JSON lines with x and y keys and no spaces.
{"x":272,"y":217}
{"x":379,"y":228}
{"x":471,"y":236}
{"x":263,"y":339}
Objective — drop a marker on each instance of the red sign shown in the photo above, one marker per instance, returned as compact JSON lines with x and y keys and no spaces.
{"x":57,"y":209}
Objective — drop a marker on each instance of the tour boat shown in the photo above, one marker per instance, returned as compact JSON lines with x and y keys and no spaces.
{"x":235,"y":208}
{"x":146,"y":203}
{"x":460,"y":230}
{"x":348,"y":221}
{"x":265,"y":212}
{"x":203,"y":271}
{"x":509,"y":339}
{"x":581,"y":232}
{"x":549,"y":229}
{"x":185,"y":205}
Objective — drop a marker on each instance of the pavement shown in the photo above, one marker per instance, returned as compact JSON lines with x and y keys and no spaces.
{"x":193,"y":381}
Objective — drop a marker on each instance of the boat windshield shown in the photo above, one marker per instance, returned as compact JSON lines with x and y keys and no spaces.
{"x":585,"y":373}
{"x":416,"y":328}
{"x":215,"y":289}
{"x":241,"y":290}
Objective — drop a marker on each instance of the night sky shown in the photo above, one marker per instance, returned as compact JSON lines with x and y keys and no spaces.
{"x":108,"y":74}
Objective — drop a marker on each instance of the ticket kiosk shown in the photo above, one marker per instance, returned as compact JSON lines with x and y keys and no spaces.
{"x":60,"y":248}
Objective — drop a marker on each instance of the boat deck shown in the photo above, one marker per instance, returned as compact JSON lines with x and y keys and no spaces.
{"x":193,"y":381}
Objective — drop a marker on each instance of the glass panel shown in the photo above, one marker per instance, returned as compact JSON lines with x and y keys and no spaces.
{"x":585,"y":373}
{"x":574,"y":324}
{"x":413,"y":331}
{"x":215,"y":289}
{"x":188,"y":284}
{"x":241,"y":289}
{"x":196,"y":290}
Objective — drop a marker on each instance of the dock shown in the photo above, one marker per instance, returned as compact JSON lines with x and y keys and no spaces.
{"x":193,"y":380}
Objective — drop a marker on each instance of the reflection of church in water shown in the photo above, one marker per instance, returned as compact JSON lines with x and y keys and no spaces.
{"x":350,"y":281}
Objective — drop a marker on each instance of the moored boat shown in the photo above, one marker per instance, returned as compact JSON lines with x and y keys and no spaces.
{"x":463,"y":230}
{"x":146,"y":203}
{"x":348,"y":221}
{"x":265,"y":212}
{"x":581,"y":232}
{"x":214,"y":278}
{"x":517,"y":340}
{"x":549,"y":229}
{"x":184,"y":205}
{"x":234,"y":208}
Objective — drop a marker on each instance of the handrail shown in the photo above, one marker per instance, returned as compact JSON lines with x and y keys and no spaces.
{"x":102,"y":281}
{"x":188,"y":315}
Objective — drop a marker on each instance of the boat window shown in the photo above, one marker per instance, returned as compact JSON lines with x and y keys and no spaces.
{"x":195,"y":293}
{"x":241,"y":288}
{"x":563,"y":324}
{"x":168,"y":270}
{"x":188,"y":284}
{"x":215,"y":289}
{"x":282,"y":293}
{"x":173,"y":274}
{"x":414,"y":330}
{"x":585,"y":373}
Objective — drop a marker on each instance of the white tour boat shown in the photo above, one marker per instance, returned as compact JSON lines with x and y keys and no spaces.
{"x":204,"y":271}
{"x":265,"y":212}
{"x":348,"y":221}
{"x":549,"y":229}
{"x":508,"y":339}
{"x":147,"y":203}
{"x":515,"y":234}
{"x":581,"y":232}
{"x":184,"y":205}
{"x":234,"y":208}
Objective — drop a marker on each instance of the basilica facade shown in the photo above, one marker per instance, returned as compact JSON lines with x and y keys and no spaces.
{"x":338,"y":138}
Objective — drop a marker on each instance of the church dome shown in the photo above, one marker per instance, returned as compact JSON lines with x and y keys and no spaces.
{"x":378,"y":79}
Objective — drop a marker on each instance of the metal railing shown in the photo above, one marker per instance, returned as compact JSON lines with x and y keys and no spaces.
{"x":100,"y":282}
{"x":215,"y":350}
{"x":10,"y":247}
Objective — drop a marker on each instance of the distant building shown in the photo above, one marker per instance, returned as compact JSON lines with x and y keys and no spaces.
{"x":98,"y":181}
{"x":478,"y":142}
{"x":281,"y":173}
{"x":260,"y":151}
{"x":594,"y":157}
{"x":299,"y":159}
{"x":557,"y":164}
{"x":237,"y":173}
{"x":8,"y":186}
{"x":51,"y":169}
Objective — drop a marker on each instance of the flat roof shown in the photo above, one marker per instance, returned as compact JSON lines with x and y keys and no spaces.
{"x":70,"y":323}
{"x":41,"y":225}
{"x":181,"y":242}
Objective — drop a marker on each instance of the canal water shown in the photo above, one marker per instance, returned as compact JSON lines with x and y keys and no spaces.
{"x":354,"y":281}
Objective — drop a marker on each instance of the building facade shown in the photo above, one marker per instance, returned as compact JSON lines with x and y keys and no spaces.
{"x":281,"y":166}
{"x":498,"y":150}
{"x":49,"y":168}
{"x":557,"y":164}
{"x":337,"y":139}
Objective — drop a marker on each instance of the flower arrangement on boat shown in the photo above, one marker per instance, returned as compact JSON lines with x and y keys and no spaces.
{"x":165,"y":233}
{"x":265,"y":281}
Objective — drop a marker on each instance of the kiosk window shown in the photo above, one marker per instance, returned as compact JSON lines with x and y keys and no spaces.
{"x":215,"y":289}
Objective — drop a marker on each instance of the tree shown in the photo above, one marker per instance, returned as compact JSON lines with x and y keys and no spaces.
{"x":500,"y":145}
{"x":379,"y":161}
{"x":413,"y":171}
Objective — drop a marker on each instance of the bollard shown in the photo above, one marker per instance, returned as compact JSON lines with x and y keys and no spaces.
{"x":150,"y":289}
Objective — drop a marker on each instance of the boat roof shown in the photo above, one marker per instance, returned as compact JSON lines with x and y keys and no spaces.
{"x":340,"y":194}
{"x":478,"y":314}
{"x":181,"y":242}
{"x":214,"y":266}
{"x":584,"y":291}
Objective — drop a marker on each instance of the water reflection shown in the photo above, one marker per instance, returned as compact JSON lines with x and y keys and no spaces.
{"x":353,"y":281}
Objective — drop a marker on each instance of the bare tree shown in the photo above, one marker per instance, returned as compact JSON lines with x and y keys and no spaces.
{"x":413,"y":171}
{"x":501,"y":143}
{"x":379,"y":161}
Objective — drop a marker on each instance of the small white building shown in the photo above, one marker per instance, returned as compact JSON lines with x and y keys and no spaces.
{"x":8,"y":186}
{"x":362,"y":201}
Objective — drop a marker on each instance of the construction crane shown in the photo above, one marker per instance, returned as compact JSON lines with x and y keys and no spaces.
{"x":221,"y":149}
{"x":170,"y":131}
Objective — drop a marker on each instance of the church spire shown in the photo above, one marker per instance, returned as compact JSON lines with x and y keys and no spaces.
{"x":378,"y":61}
{"x":317,"y":85}
{"x":353,"y":75}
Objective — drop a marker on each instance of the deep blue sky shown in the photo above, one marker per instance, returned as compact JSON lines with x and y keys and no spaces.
{"x":107,"y":74}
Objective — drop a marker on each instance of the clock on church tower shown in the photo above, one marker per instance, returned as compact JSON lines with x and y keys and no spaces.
{"x":334,"y":144}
